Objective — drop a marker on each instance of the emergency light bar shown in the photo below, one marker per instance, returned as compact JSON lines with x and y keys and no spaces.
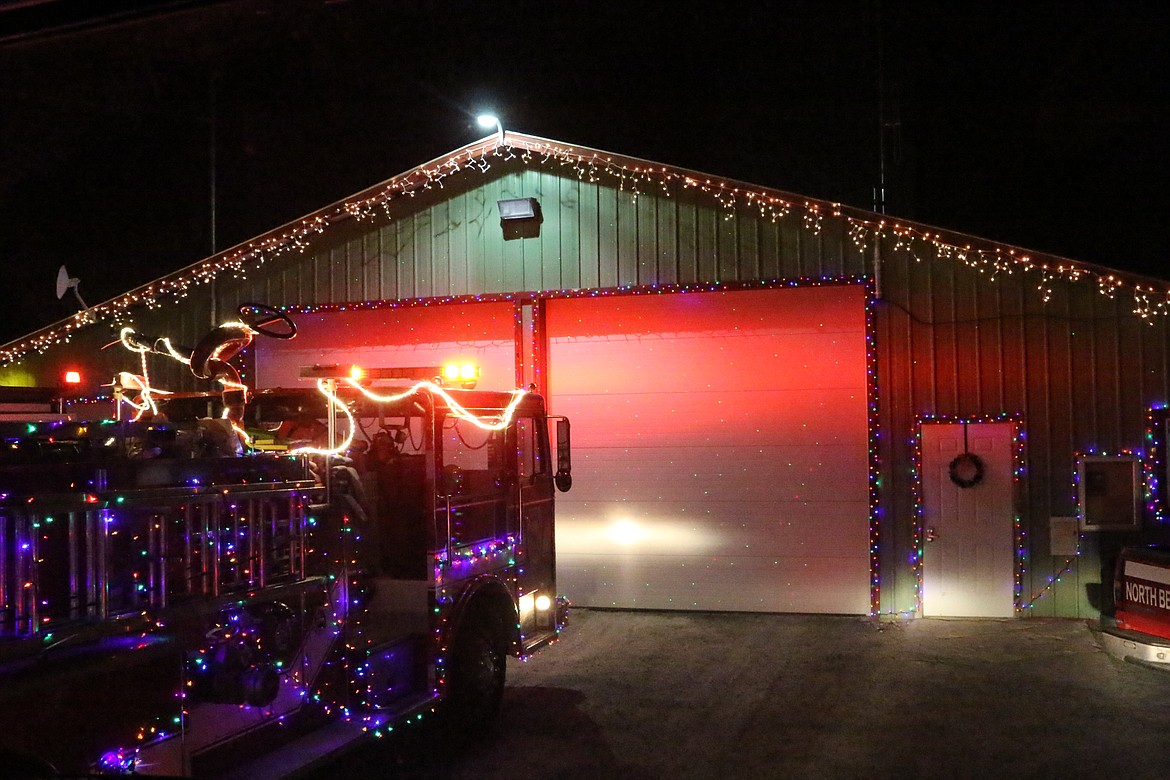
{"x":415,"y":373}
{"x":464,"y":374}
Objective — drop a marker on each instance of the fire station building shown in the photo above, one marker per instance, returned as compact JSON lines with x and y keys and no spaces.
{"x":778,"y":404}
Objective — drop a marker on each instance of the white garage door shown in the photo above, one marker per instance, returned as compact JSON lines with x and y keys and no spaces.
{"x":720,"y":450}
{"x":410,"y":336}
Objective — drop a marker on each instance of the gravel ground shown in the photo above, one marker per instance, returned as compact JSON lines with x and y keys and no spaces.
{"x":684,"y":695}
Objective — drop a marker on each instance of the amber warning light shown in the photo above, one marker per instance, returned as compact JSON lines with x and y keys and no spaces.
{"x":465,"y":374}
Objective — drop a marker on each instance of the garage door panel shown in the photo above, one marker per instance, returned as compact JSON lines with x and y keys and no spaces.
{"x":811,"y":585}
{"x":810,"y":473}
{"x":791,"y":361}
{"x":720,"y":450}
{"x":809,"y":310}
{"x":762,"y":529}
{"x":701,"y":418}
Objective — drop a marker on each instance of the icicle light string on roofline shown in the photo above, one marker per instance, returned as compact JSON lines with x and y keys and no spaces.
{"x":594,"y":167}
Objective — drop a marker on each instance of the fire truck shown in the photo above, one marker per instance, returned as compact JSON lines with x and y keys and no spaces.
{"x":1139,"y":628}
{"x":241,"y":583}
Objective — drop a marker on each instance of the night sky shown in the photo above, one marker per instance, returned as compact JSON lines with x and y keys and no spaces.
{"x":1043,"y":125}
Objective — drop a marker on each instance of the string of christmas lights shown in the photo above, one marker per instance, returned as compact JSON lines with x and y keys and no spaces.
{"x":1155,"y":461}
{"x":873,"y":441}
{"x":630,"y":176}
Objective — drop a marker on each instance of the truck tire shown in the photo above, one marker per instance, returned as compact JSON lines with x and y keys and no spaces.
{"x":476,"y":676}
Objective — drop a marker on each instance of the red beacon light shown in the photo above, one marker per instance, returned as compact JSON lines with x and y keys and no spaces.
{"x":72,"y":377}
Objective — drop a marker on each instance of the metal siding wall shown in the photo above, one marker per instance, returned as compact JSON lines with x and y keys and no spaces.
{"x":626,"y":239}
{"x":706,"y":230}
{"x":559,"y":238}
{"x":306,"y":291}
{"x":589,"y":235}
{"x":727,"y":249}
{"x":370,"y":261}
{"x":1081,"y":371}
{"x":687,"y":258}
{"x":769,"y":245}
{"x":666,"y":240}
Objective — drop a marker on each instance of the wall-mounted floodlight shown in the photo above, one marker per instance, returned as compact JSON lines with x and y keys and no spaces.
{"x":520,"y":217}
{"x":489,"y":121}
{"x":518,"y":208}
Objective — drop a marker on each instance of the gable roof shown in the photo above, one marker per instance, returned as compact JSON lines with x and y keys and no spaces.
{"x":627,"y":174}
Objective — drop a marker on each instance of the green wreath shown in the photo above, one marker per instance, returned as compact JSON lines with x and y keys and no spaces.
{"x":966,"y":470}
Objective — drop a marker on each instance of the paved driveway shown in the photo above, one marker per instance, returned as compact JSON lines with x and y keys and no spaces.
{"x":678,"y":695}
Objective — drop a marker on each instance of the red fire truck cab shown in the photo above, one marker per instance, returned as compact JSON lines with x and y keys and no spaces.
{"x":178,"y":600}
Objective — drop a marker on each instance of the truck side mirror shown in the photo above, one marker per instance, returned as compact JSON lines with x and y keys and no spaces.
{"x":563,"y":478}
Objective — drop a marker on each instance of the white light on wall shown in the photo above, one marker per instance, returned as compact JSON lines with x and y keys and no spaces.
{"x":663,"y":535}
{"x":626,"y":532}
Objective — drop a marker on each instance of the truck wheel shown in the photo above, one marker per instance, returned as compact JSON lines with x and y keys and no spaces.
{"x":476,"y":676}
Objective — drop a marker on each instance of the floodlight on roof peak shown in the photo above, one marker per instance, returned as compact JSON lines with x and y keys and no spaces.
{"x":491,"y":120}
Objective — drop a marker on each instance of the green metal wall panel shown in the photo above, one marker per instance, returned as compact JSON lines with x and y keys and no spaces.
{"x":592,"y":236}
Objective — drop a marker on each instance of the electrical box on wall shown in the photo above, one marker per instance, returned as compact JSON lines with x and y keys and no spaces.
{"x":1108,"y":494}
{"x":1063,"y":538}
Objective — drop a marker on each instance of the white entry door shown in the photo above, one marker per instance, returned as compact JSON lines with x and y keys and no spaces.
{"x":967,"y":523}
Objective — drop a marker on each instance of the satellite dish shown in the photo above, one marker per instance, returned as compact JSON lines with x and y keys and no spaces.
{"x":64,"y":282}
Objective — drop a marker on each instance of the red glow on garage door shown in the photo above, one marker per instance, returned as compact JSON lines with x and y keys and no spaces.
{"x":479,"y":333}
{"x":721,"y":449}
